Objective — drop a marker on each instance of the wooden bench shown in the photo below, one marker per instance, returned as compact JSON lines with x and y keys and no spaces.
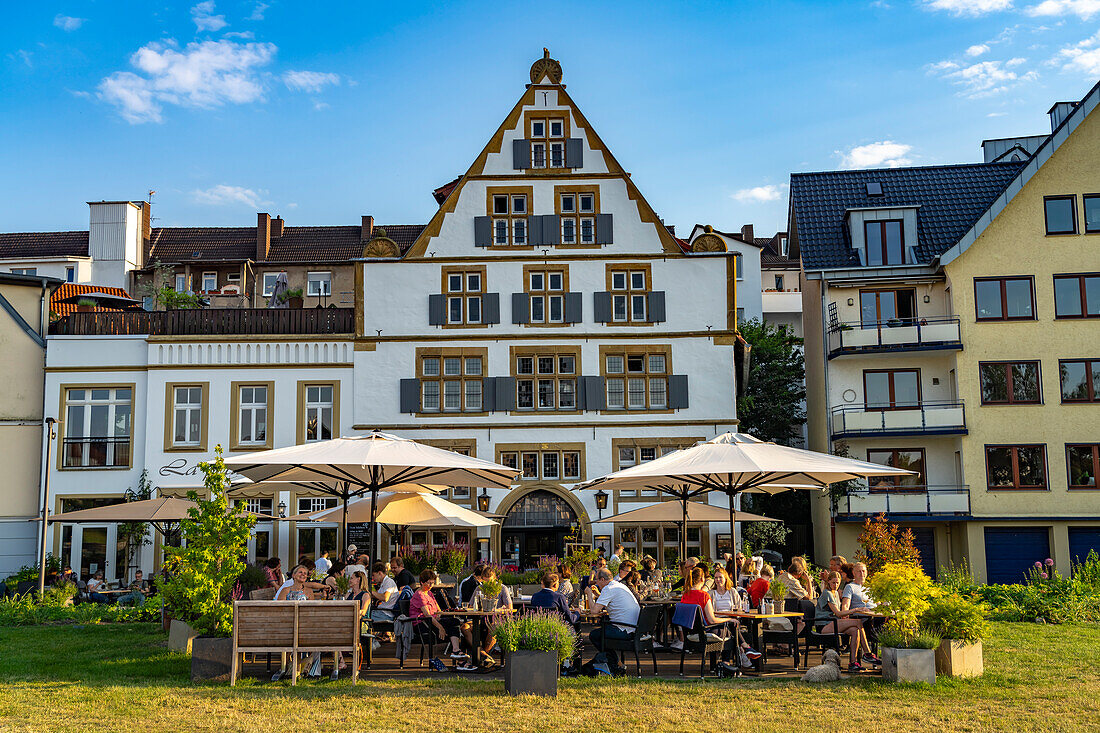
{"x":295,"y":627}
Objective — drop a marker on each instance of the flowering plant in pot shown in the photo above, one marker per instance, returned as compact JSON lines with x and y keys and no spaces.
{"x":534,"y":645}
{"x":490,"y":594}
{"x":961,"y":623}
{"x":903,"y":591}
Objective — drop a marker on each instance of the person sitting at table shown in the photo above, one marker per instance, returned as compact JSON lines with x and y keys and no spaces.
{"x":830,"y":617}
{"x":618,"y":554}
{"x":748,"y":573}
{"x":298,"y":587}
{"x":685,"y":572}
{"x":759,"y":587}
{"x":470,"y":583}
{"x":401,"y":576}
{"x":384,"y":595}
{"x":96,"y":586}
{"x":797,"y":579}
{"x":846,"y":576}
{"x":423,"y":606}
{"x":550,"y":597}
{"x":649,"y":571}
{"x":504,"y":605}
{"x":855,"y":597}
{"x":696,"y":595}
{"x":137,"y":590}
{"x":357,"y":564}
{"x":722,"y":594}
{"x":273,"y":572}
{"x":565,"y":583}
{"x":598,"y":564}
{"x":622,"y":608}
{"x":626,"y":567}
{"x":834,"y":567}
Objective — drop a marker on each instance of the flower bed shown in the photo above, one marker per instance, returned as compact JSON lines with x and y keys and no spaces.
{"x":27,"y":611}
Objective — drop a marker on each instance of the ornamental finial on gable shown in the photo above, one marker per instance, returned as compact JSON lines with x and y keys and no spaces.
{"x":546,"y":68}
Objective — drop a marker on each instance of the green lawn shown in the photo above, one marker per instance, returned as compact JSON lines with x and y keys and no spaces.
{"x":121,"y":677}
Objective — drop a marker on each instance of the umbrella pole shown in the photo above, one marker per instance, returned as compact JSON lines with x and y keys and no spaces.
{"x":733,"y":513}
{"x":683,"y":533}
{"x":374,"y":523}
{"x":342,"y":549}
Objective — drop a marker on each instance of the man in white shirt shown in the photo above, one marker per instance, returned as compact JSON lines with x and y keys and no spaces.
{"x":323,"y":563}
{"x":384,"y":596}
{"x":95,"y":585}
{"x":622,"y":611}
{"x":854,"y":594}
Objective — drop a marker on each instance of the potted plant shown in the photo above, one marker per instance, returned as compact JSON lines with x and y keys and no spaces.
{"x":779,"y":594}
{"x":534,"y":645}
{"x":293,"y":298}
{"x":489,"y":595}
{"x":85,"y":305}
{"x":908,"y":650}
{"x":200,"y":591}
{"x":962,"y":623}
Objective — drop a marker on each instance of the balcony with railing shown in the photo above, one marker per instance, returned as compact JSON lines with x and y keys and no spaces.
{"x":923,"y":418}
{"x":208,"y":322}
{"x":896,"y":334}
{"x":908,"y":501}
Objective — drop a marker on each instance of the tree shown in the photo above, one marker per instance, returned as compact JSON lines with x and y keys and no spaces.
{"x":135,"y":535}
{"x":764,"y":535}
{"x":885,"y":543}
{"x":206,"y":568}
{"x":771,"y":407}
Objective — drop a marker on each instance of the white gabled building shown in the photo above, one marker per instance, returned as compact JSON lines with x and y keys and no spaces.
{"x":545,"y":317}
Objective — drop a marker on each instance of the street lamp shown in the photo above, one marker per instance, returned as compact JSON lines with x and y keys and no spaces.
{"x":483,"y":501}
{"x":601,"y":501}
{"x":282,"y":510}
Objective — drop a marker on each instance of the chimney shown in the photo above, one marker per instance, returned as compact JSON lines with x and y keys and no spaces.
{"x":746,"y":233}
{"x":1059,"y":112}
{"x":366,"y":230}
{"x":277,"y":227}
{"x":146,"y":231}
{"x":263,"y":236}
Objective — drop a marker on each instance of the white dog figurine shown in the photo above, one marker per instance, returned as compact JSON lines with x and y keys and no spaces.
{"x":827,"y":671}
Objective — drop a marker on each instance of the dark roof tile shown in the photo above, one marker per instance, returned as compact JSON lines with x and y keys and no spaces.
{"x":297,"y":244}
{"x":43,"y":244}
{"x":951,"y":198}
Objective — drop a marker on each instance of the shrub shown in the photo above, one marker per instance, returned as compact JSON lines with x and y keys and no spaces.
{"x":27,"y":611}
{"x":920,"y":638}
{"x":540,"y":632}
{"x":207,"y":567}
{"x":957,"y":578}
{"x":954,"y":617}
{"x":1087,"y":572}
{"x":903,"y":591}
{"x":884,"y":543}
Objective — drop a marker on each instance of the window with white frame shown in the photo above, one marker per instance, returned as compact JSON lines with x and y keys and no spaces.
{"x":546,"y":381}
{"x":629,"y":289}
{"x":209,"y":282}
{"x":256,"y":506}
{"x":97,"y":427}
{"x":577,"y":212}
{"x":269,"y":283}
{"x":187,"y":416}
{"x":547,"y":291}
{"x":509,"y":215}
{"x":24,"y":270}
{"x":464,"y":294}
{"x":636,"y":380}
{"x":70,"y":274}
{"x":549,"y":465}
{"x":318,"y":416}
{"x":181,"y":283}
{"x":451,"y":382}
{"x":310,"y":504}
{"x":253,"y":415}
{"x":548,"y":142}
{"x":319,"y":284}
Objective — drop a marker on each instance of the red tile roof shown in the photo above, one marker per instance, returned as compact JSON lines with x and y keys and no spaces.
{"x":67,"y":290}
{"x":440,"y":194}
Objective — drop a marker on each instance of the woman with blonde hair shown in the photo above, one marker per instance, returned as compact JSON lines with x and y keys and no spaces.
{"x":724,"y":596}
{"x":797,"y":579}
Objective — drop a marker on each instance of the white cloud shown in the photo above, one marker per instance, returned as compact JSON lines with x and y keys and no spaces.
{"x":997,"y":114}
{"x":258,"y":11}
{"x":968,"y":7}
{"x":757,"y":194}
{"x":223,"y":195}
{"x":207,"y":74}
{"x":309,"y":81}
{"x":205,"y":20}
{"x":1082,"y":57}
{"x":1083,"y":9}
{"x":22,"y":55}
{"x":977,"y":50}
{"x":247,"y":35}
{"x":67,"y":23}
{"x":983,"y":78}
{"x":883,"y":154}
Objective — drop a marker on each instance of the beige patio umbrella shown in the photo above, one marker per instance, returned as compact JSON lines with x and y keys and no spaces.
{"x":733,"y":463}
{"x":158,"y":512}
{"x":353,"y":466}
{"x":672,"y":511}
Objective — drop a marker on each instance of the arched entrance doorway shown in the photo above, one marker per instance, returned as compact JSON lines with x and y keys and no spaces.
{"x":536,"y":525}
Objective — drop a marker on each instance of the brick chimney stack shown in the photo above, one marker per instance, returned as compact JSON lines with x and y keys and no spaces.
{"x":747,"y":234}
{"x":366,"y":230}
{"x":277,"y":227}
{"x":263,"y":236}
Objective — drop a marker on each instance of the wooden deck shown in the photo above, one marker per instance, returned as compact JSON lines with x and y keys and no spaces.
{"x":385,"y":667}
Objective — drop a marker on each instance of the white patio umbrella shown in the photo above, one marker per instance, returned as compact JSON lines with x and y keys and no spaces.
{"x":352,"y":466}
{"x":733,"y":463}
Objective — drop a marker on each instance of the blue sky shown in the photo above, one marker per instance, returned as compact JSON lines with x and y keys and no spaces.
{"x":322,"y":112}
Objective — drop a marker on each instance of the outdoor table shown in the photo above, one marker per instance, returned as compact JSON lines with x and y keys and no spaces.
{"x":470,"y":613}
{"x":666,"y":605}
{"x":756,"y":619}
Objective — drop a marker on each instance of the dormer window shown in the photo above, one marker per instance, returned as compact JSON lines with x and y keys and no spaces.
{"x":884,"y":242}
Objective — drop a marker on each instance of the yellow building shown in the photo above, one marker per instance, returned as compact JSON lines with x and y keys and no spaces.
{"x":24,"y":313}
{"x":950,"y":316}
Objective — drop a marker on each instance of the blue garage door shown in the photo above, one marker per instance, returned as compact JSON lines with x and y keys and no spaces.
{"x":924,"y":539}
{"x":1081,"y":540}
{"x":1010,"y":551}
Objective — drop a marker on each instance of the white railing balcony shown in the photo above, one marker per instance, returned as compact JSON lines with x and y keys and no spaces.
{"x":781,"y":301}
{"x":896,"y":334}
{"x":925,"y":418}
{"x":908,"y":500}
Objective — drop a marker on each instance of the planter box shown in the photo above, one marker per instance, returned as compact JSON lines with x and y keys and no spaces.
{"x":211,"y":657}
{"x":959,"y":659}
{"x":180,"y":635}
{"x":531,"y":673}
{"x":909,"y":665}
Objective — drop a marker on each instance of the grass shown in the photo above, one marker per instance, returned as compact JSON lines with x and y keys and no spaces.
{"x":121,"y":677}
